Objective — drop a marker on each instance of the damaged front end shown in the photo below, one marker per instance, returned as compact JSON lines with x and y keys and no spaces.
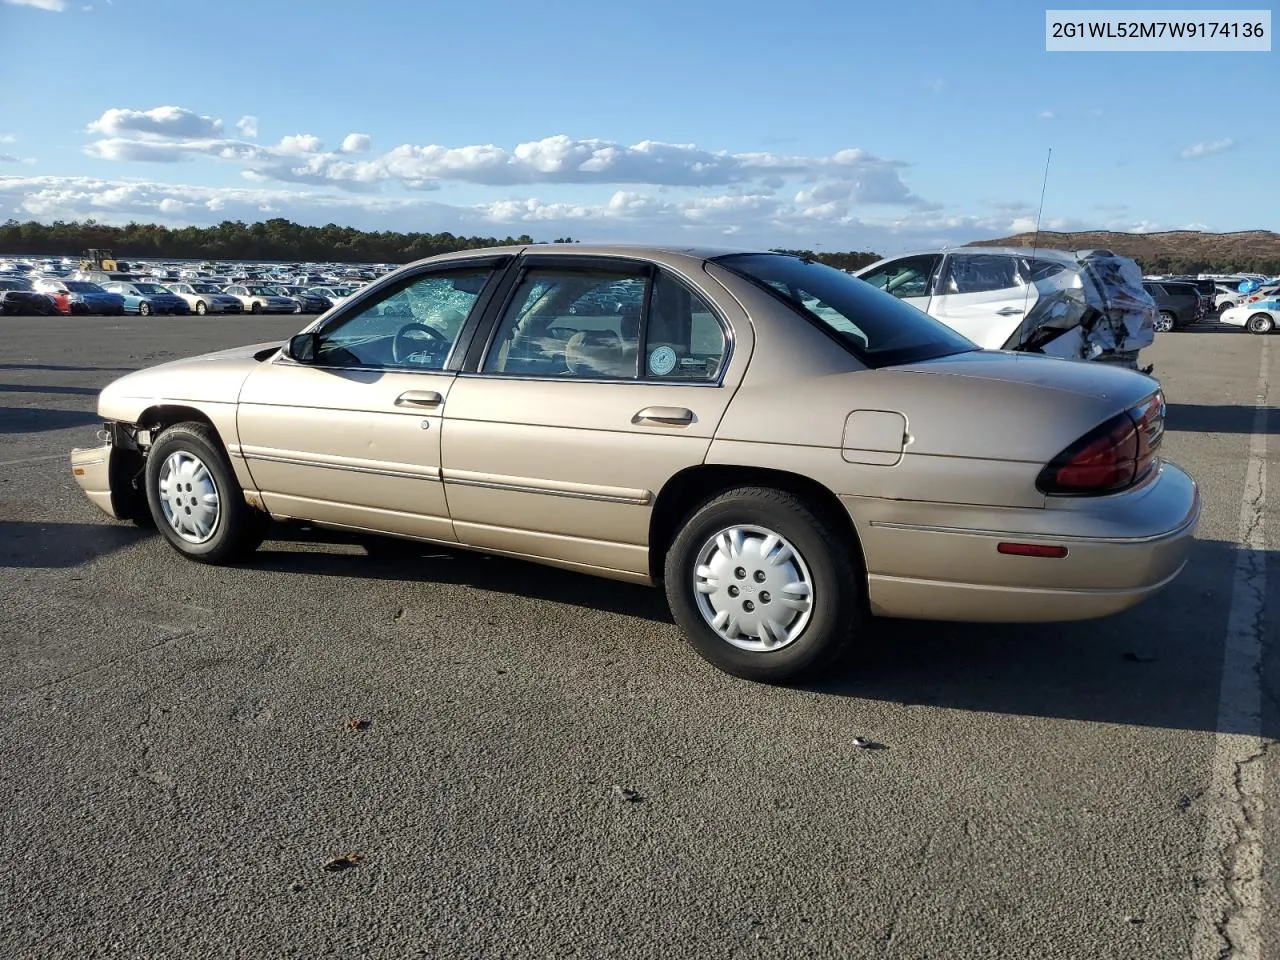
{"x":1098,"y":311}
{"x":111,"y":474}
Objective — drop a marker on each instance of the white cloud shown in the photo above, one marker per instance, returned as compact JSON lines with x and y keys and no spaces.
{"x":55,"y":6}
{"x":9,"y":158}
{"x":751,"y":219}
{"x":160,"y":122}
{"x":1046,"y":115}
{"x":356,"y":143}
{"x":1207,"y":147}
{"x":168,"y":134}
{"x":937,"y":86}
{"x":301,"y":143}
{"x":173,"y":151}
{"x":247,"y":127}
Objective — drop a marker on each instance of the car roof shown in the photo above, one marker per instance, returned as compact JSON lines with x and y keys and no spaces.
{"x":640,"y":251}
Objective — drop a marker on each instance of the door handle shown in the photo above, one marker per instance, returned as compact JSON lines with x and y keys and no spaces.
{"x":1008,"y":311}
{"x":419,"y":398}
{"x":670,"y":416}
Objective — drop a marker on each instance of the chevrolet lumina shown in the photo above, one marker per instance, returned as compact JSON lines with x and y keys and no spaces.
{"x":781,"y":447}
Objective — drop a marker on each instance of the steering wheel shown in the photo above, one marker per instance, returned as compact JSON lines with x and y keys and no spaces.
{"x":400,"y":348}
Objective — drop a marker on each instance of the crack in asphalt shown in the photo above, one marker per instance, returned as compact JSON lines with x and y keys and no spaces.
{"x":163,"y":642}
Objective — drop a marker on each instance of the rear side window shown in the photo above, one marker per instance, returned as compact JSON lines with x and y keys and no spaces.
{"x":683,"y":339}
{"x":877,"y":328}
{"x":983,"y":273}
{"x":604,"y":324}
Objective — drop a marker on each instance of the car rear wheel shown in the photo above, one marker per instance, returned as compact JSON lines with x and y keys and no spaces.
{"x":195,"y":499}
{"x":1165,"y":322}
{"x":1260,"y":323}
{"x":144,"y":309}
{"x":201,"y":309}
{"x":764,"y":587}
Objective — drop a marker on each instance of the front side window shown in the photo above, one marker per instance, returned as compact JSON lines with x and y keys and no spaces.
{"x":413,"y":325}
{"x":878,"y":329}
{"x":906,"y":276}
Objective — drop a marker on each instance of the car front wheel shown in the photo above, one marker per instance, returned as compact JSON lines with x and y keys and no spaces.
{"x":201,"y":309}
{"x":763,"y":586}
{"x":1165,"y":322}
{"x":1261,"y":323}
{"x":144,"y":309}
{"x":195,"y":499}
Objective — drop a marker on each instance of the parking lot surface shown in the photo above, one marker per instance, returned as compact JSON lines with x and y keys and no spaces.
{"x":529,"y":762}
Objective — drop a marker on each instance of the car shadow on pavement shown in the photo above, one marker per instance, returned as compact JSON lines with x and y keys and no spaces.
{"x":392,"y":559}
{"x":31,"y":544}
{"x":63,"y":367}
{"x":40,"y":419}
{"x":48,"y":388}
{"x":1159,"y":664}
{"x":1205,"y":418}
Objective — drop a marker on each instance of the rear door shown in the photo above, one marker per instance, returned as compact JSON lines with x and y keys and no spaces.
{"x":603,"y":378}
{"x":983,"y":297}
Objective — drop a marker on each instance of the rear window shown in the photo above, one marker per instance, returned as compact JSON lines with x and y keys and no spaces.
{"x":875,"y":326}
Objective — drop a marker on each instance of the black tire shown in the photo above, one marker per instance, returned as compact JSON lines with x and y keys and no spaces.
{"x":298,"y":308}
{"x":144,"y":309}
{"x":257,"y":307}
{"x":238,"y":529}
{"x":837,"y":609}
{"x":1260,"y":323}
{"x":201,"y":309}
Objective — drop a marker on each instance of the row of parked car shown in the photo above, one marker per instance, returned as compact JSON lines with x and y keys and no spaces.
{"x":1182,"y":301}
{"x":145,"y":296}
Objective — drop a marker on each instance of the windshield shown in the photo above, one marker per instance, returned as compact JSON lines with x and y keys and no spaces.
{"x":149,"y":288}
{"x":875,"y":326}
{"x":82,"y":286}
{"x":261,"y":290}
{"x":14,"y":284}
{"x":204,"y":288}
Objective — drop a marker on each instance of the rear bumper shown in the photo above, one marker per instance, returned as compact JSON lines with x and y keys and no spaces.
{"x":940,"y":562}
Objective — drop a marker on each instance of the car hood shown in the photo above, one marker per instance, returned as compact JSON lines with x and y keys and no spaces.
{"x":209,"y":378}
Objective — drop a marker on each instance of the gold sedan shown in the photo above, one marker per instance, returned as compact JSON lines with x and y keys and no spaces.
{"x":782,"y":447}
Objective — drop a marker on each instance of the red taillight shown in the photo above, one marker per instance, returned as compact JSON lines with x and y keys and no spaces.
{"x":1111,"y":457}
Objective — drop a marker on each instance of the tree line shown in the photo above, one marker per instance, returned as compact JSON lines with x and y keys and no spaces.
{"x":281,"y":239}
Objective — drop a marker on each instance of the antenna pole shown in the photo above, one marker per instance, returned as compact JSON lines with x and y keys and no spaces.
{"x":1035,"y":240}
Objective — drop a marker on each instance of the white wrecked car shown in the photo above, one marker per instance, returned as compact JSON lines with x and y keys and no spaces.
{"x":1087,"y":305}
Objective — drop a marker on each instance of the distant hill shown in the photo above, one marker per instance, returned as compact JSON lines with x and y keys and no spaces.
{"x":1174,"y":251}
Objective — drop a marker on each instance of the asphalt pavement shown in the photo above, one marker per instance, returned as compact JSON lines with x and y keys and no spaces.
{"x":519,"y":761}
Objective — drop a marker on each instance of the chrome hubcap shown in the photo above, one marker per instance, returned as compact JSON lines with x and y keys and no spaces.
{"x":753,"y":588}
{"x":189,"y":497}
{"x":1163,"y":324}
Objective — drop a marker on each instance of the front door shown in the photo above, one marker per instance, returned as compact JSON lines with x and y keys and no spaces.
{"x":907,"y":278}
{"x":601,"y":381}
{"x":352,"y":437}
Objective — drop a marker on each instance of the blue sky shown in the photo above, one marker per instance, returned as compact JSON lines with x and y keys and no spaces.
{"x":827,"y":125}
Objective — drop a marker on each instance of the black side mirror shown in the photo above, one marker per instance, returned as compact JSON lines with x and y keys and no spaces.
{"x":303,"y":347}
